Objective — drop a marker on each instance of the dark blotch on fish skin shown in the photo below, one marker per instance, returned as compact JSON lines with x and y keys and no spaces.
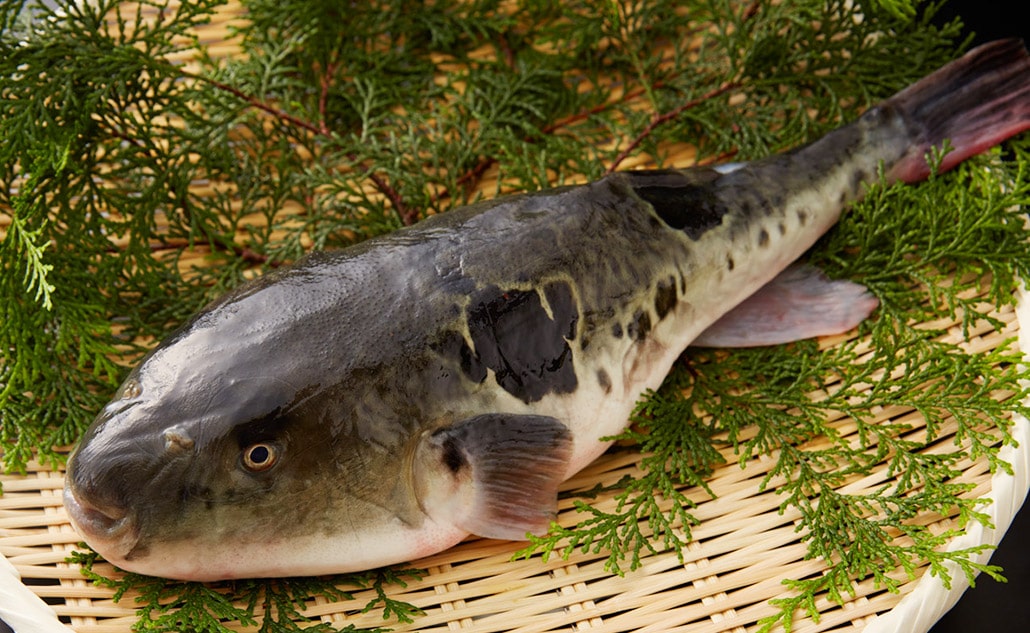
{"x":640,"y":326}
{"x":857,"y":178}
{"x":684,"y":200}
{"x":782,"y":228}
{"x":665,"y":297}
{"x":563,"y":306}
{"x":730,"y":263}
{"x":617,"y":330}
{"x":763,"y":238}
{"x":763,"y":207}
{"x":802,"y":216}
{"x":453,"y":458}
{"x":593,"y":322}
{"x":604,"y":380}
{"x":453,"y":345}
{"x":527,"y":348}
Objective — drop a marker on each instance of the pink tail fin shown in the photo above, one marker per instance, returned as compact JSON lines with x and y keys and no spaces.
{"x":976,"y":102}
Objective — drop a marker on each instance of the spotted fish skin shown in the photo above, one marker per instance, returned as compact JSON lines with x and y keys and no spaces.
{"x":377,"y":404}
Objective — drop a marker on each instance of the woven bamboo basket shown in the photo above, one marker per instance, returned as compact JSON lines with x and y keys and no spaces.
{"x":742,"y":551}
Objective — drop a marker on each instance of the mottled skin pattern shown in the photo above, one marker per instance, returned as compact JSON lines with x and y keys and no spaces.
{"x":393,"y":379}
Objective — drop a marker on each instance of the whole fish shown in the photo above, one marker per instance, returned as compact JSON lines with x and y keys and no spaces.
{"x":380,"y":403}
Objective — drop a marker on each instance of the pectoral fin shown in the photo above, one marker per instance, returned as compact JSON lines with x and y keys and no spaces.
{"x":496,"y":475}
{"x":801,"y":302}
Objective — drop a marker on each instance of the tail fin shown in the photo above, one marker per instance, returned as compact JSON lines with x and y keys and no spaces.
{"x":976,"y":102}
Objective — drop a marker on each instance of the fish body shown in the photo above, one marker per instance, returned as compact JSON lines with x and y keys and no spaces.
{"x":377,"y":404}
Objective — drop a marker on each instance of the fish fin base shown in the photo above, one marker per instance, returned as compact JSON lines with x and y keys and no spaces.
{"x":514,"y":465}
{"x":799,"y":303}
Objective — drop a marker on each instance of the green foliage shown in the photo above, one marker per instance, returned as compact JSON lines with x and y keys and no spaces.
{"x":170,"y":607}
{"x":121,"y":165}
{"x":83,"y":97}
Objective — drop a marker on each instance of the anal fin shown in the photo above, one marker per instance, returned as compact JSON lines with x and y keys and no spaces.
{"x":801,"y":302}
{"x":502,"y":470}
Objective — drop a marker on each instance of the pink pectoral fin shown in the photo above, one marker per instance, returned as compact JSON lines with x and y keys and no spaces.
{"x":801,"y":302}
{"x":515,"y":464}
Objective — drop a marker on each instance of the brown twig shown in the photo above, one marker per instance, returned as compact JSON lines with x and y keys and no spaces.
{"x":472,"y":176}
{"x":244,"y":253}
{"x":752,"y":9}
{"x":255,"y":102}
{"x":584,"y":114}
{"x":509,"y":54}
{"x":408,"y":216}
{"x":323,"y":97}
{"x":659,"y":119}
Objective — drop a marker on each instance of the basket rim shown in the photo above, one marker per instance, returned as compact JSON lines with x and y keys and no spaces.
{"x":929,"y":600}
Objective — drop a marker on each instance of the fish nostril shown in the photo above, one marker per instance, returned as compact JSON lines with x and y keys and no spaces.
{"x":176,"y":441}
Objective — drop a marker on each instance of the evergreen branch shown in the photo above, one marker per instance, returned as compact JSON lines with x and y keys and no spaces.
{"x":24,"y":243}
{"x":254,"y":102}
{"x":386,"y":579}
{"x":671,"y":115}
{"x":408,"y":215}
{"x":272,"y":605}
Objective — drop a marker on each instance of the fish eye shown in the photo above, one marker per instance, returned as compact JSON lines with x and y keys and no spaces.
{"x":260,"y":457}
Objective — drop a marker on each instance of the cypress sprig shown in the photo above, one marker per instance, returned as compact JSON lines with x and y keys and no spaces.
{"x":274,"y":606}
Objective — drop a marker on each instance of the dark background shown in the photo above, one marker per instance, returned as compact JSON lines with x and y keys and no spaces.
{"x":994,"y":606}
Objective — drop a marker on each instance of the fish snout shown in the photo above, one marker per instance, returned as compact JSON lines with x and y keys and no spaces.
{"x":101,"y":516}
{"x":96,"y":521}
{"x":110,"y":478}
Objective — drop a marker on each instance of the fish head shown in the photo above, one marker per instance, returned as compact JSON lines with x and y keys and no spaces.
{"x":201,"y":465}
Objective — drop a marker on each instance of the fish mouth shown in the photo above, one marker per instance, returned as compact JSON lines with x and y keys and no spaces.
{"x":110,"y":530}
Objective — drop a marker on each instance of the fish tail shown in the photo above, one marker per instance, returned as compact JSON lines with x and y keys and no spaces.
{"x":975,"y":102}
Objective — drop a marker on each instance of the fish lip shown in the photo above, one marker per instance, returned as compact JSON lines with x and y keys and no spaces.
{"x":113,"y":532}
